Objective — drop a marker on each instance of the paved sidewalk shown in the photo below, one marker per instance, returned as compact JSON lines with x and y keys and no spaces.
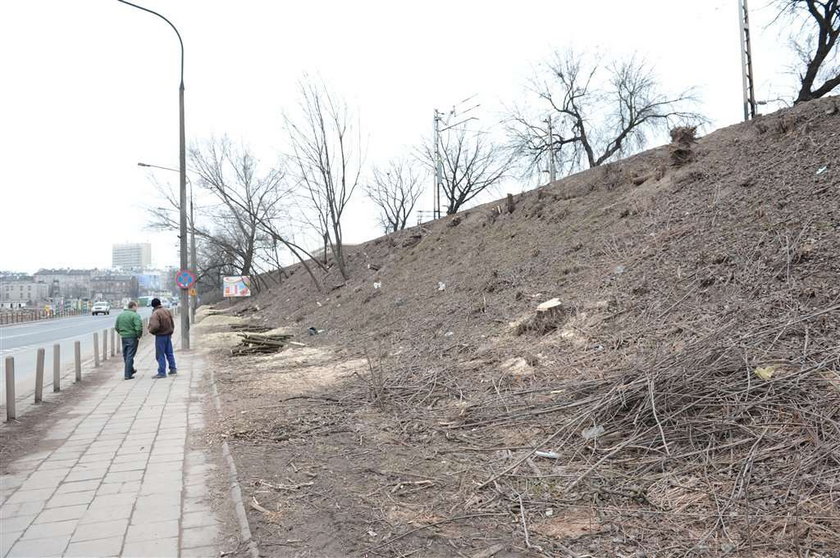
{"x":121,"y":479}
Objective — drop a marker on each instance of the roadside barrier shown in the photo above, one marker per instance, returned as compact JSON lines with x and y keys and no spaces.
{"x":116,"y":348}
{"x":21,"y":315}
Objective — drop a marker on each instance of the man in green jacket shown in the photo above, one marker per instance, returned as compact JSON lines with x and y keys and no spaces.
{"x":129,"y":327}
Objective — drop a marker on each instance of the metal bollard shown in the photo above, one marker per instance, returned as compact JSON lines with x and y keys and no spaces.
{"x":56,"y":367}
{"x":39,"y":376}
{"x":10,"y":388}
{"x":96,"y":350}
{"x":77,"y":350}
{"x":104,"y":345}
{"x":113,"y":342}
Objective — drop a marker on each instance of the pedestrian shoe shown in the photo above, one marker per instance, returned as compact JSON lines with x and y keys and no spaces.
{"x":173,"y":372}
{"x":129,"y":377}
{"x":156,"y":376}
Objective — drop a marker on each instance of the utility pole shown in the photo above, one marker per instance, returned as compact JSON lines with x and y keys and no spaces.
{"x":747,"y":82}
{"x":552,"y":170}
{"x":438,"y":168}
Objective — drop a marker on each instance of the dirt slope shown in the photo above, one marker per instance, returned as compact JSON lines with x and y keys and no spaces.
{"x":683,"y":399}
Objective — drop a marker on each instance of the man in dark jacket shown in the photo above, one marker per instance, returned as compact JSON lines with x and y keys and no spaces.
{"x":162,"y":325}
{"x":129,"y":327}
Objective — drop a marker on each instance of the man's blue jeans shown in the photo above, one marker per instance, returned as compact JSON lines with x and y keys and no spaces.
{"x":129,"y":350}
{"x":164,"y":352}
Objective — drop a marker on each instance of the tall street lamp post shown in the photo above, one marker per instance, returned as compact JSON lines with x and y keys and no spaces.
{"x":193,"y":259}
{"x":185,"y":317}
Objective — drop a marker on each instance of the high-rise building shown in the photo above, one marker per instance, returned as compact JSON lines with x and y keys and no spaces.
{"x":132,"y":256}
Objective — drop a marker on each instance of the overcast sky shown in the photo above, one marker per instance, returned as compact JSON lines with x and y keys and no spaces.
{"x":90,"y":88}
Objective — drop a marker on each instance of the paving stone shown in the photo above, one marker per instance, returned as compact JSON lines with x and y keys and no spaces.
{"x":54,"y":529}
{"x":21,"y":508}
{"x":119,"y":488}
{"x":52,"y":546}
{"x":128,"y":466}
{"x":61,"y":514}
{"x":43,"y":479}
{"x":159,"y":486}
{"x":80,"y":474}
{"x":123,"y":476}
{"x":158,"y":547}
{"x":109,"y":500}
{"x":8,"y":540}
{"x":156,"y":512}
{"x":190,"y":505}
{"x":199,"y":536}
{"x":151,"y":529}
{"x":100,"y":530}
{"x":18,"y":523}
{"x":200,"y":552}
{"x":196,"y":490}
{"x":100,"y":547}
{"x":78,"y":486}
{"x":51,"y":464}
{"x":198,"y":519}
{"x":71,"y":499}
{"x":39,"y":495}
{"x":108,"y":513}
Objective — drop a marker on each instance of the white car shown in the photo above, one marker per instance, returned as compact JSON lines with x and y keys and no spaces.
{"x":101,"y":308}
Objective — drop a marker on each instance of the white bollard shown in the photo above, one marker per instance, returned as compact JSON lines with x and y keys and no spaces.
{"x":96,"y":350}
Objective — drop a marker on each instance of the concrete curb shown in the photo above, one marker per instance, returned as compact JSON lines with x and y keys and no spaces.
{"x":235,"y":491}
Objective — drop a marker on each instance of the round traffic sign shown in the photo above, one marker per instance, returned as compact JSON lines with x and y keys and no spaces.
{"x":185,"y":278}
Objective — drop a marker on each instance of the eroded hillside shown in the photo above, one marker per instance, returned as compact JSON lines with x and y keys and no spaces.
{"x":682,"y":399}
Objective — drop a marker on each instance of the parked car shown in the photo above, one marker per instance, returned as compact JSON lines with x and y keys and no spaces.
{"x":100,"y":308}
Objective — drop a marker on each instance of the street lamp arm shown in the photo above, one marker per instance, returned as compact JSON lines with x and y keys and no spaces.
{"x":170,"y":25}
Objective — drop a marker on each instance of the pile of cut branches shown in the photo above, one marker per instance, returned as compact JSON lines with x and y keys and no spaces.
{"x":256,"y":343}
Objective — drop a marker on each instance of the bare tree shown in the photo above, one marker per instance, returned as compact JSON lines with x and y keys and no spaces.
{"x":246,"y":197}
{"x":815,"y":44}
{"x":597,"y":113}
{"x":328,"y":159}
{"x":470,"y":164}
{"x":395,"y":190}
{"x":230,"y":230}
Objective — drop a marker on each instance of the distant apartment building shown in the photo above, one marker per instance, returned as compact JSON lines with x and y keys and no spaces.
{"x":22,"y":291}
{"x":66,"y":283}
{"x":113,"y":287}
{"x":131,"y":256}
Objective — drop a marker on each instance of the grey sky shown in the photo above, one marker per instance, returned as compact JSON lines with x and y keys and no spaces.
{"x":90,"y":88}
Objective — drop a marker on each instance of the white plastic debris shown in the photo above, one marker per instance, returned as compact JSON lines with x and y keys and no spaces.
{"x":441,"y":286}
{"x":377,"y":284}
{"x":822,"y":170}
{"x":547,"y":454}
{"x":548,"y":305}
{"x":449,"y":334}
{"x":593,"y":432}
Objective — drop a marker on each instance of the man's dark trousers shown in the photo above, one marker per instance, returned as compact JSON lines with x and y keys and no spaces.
{"x":164,"y":352}
{"x":129,"y":349}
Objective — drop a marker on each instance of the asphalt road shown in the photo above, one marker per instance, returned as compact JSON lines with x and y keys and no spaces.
{"x":22,"y":342}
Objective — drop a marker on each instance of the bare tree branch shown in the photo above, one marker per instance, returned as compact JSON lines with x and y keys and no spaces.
{"x":598,"y":113}
{"x":328,"y":160}
{"x":395,"y":190}
{"x":471,"y":164}
{"x":816,"y":44}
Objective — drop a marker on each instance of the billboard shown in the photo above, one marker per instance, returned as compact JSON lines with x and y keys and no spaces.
{"x":238,"y":285}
